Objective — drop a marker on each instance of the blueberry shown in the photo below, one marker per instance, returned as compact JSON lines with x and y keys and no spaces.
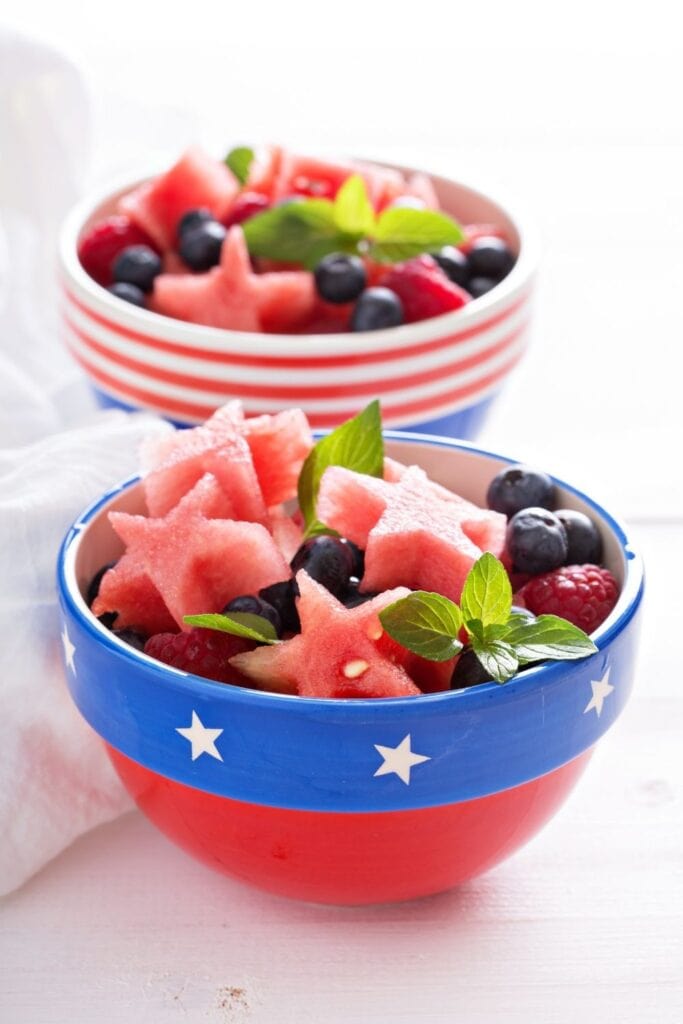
{"x":454,"y":264}
{"x":328,"y":560}
{"x":200,"y":246}
{"x":192,"y":219}
{"x":358,"y":558}
{"x":281,"y":597}
{"x":477,"y":286}
{"x":108,"y":619}
{"x":583,"y":537}
{"x":490,"y":257}
{"x":256,"y":606}
{"x":536,"y":541}
{"x":377,"y":308}
{"x":138,"y":265}
{"x":340,"y":278}
{"x":353,"y":597}
{"x":519,"y":487}
{"x":128,"y":292}
{"x":468,"y":671}
{"x":132,"y":638}
{"x":94,"y":585}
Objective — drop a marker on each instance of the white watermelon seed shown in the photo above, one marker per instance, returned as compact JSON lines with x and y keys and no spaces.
{"x":354,"y":669}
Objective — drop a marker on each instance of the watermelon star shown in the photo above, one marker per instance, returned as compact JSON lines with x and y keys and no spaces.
{"x":197,"y":562}
{"x":415,"y":533}
{"x":335,"y":655}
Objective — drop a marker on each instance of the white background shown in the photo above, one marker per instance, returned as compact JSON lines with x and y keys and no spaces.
{"x":576,"y":110}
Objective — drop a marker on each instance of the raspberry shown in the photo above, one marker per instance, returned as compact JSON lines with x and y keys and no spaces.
{"x":100,"y":247}
{"x":205,"y":652}
{"x":424,"y":289}
{"x":583,"y":594}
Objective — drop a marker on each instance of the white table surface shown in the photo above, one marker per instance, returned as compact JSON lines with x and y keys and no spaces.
{"x":586,"y":923}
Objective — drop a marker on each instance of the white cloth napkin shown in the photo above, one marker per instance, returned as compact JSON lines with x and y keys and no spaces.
{"x":57,"y":453}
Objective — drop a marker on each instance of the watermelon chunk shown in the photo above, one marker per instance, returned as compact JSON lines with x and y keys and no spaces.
{"x":127,"y":589}
{"x":196,"y":180}
{"x":198,"y":563}
{"x":335,"y":655}
{"x":287,"y":533}
{"x":279,"y":445}
{"x":415,"y":533}
{"x":285,"y":300}
{"x":257,"y":461}
{"x":263,"y":170}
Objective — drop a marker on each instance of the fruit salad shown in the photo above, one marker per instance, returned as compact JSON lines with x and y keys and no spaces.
{"x":328,"y":570}
{"x":271,"y":241}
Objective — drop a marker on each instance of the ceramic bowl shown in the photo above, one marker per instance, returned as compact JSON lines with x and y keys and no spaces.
{"x":348,"y":801}
{"x":439,"y":376}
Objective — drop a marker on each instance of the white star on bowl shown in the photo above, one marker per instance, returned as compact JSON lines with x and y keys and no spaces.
{"x":69,"y":650}
{"x":601,"y":690}
{"x":203,"y":740}
{"x":399,"y":760}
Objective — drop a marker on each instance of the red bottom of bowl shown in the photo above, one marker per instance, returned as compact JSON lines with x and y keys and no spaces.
{"x":348,"y":858}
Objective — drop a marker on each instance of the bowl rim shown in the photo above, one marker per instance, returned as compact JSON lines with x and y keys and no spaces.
{"x":545,"y":673}
{"x":513,"y":287}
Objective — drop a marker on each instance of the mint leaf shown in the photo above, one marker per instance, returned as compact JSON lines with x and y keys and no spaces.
{"x":497,"y":657}
{"x":487,"y":594}
{"x":402,"y":233}
{"x":239,"y":161}
{"x":252,"y":627}
{"x":302,"y":231}
{"x":424,"y":623}
{"x":548,"y":637}
{"x":353,"y":212}
{"x":357,"y":444}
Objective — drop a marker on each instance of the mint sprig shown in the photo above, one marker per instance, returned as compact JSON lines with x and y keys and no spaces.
{"x":239,"y":160}
{"x":244,"y":624}
{"x":357,"y":444}
{"x":306,"y":229}
{"x":425,"y":623}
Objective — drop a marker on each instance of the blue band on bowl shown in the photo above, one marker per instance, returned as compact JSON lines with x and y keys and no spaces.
{"x":335,"y":755}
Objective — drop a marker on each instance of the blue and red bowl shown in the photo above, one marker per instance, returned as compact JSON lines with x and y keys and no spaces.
{"x":437,"y":376}
{"x":348,"y":801}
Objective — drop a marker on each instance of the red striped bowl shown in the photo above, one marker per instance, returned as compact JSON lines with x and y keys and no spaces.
{"x":439,"y":375}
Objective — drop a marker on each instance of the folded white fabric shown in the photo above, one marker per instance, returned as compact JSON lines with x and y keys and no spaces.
{"x":55,"y":779}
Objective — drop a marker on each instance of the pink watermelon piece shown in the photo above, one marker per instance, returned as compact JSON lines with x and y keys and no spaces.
{"x":196,"y":180}
{"x":257,"y":460}
{"x":351,"y":503}
{"x":198,"y":563}
{"x":425,"y":543}
{"x":279,"y":445}
{"x":127,"y":589}
{"x":287,"y":534}
{"x":263,"y":170}
{"x":335,"y":655}
{"x":285,"y":300}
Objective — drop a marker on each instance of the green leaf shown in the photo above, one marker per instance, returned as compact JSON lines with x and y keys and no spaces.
{"x":353,"y":212}
{"x":357,"y":444}
{"x":252,"y":627}
{"x":402,"y":232}
{"x":497,"y":657}
{"x":302,"y":231}
{"x":424,"y":623}
{"x":487,"y":594}
{"x":548,"y":637}
{"x":318,"y":529}
{"x":239,"y":161}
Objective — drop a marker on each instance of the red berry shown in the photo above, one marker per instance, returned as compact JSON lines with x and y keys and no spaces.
{"x":204,"y":652}
{"x":424,"y":289}
{"x":245,"y":206}
{"x":583,"y":594}
{"x":99,"y":248}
